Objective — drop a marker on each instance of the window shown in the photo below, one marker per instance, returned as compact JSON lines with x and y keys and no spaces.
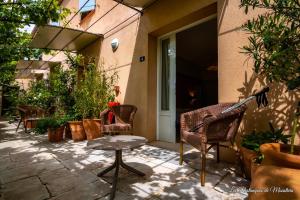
{"x":87,"y":7}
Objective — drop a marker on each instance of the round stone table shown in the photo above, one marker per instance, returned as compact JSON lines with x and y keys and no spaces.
{"x":117,"y":144}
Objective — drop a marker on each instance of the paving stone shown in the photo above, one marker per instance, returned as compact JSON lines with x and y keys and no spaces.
{"x":81,"y":164}
{"x":69,"y":171}
{"x":49,"y":176}
{"x":6,"y":164}
{"x":230,"y":183}
{"x":189,"y":189}
{"x":25,"y":189}
{"x":194,"y":160}
{"x":62,"y":180}
{"x":89,"y":191}
{"x":211,"y":180}
{"x":26,"y":158}
{"x":29,"y":170}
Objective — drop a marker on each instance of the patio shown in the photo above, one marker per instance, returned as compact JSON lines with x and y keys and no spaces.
{"x":32,"y":168}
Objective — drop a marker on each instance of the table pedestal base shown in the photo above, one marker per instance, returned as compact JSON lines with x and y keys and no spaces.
{"x":117,"y":163}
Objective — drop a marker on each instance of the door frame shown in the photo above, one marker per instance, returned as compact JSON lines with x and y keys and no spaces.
{"x":158,"y":78}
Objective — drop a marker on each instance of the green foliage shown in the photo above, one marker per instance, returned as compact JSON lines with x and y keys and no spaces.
{"x":14,"y":41}
{"x":37,"y":95}
{"x":274,"y":42}
{"x":94,"y":91}
{"x":62,"y":83}
{"x":255,"y":139}
{"x":75,"y":61}
{"x":51,"y":123}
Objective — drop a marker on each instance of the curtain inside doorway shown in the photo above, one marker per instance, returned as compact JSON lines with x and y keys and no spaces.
{"x":165,"y":75}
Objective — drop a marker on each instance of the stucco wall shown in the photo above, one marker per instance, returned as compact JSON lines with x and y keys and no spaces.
{"x":137,"y":79}
{"x":138,"y":37}
{"x":236,"y":78}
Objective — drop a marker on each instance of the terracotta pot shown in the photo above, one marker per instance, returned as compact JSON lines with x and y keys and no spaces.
{"x":68,"y":133}
{"x":248,"y":156}
{"x":77,"y":131}
{"x":92,"y":128}
{"x":56,"y":135}
{"x":278,"y":155}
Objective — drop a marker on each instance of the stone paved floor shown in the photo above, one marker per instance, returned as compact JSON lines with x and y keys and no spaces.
{"x":31,"y":168}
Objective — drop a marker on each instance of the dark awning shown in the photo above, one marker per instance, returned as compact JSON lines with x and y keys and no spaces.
{"x":136,"y":3}
{"x":60,"y":38}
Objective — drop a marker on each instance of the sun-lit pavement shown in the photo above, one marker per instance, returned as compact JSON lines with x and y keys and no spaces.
{"x":31,"y":168}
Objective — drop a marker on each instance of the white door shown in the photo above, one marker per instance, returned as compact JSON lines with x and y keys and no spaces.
{"x":166,"y":89}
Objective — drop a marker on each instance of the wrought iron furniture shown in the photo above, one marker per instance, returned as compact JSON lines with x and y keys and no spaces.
{"x":207,"y":127}
{"x":124,"y":115}
{"x":117,"y":144}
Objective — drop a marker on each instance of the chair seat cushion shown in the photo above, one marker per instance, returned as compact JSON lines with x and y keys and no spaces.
{"x":116,"y":127}
{"x":194,"y":138}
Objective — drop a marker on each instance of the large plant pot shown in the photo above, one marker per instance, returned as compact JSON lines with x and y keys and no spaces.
{"x":247,"y":156}
{"x":68,"y":133}
{"x":92,"y":128}
{"x":77,"y":131}
{"x":278,"y":155}
{"x":56,"y":135}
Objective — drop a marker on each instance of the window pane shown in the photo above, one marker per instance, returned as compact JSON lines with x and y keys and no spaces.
{"x":90,"y":5}
{"x":165,"y":75}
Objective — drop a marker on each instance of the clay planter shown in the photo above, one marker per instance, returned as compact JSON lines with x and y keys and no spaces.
{"x":278,"y":155}
{"x":56,"y":135}
{"x":68,"y":133}
{"x":77,"y":131}
{"x":247,"y":157}
{"x":92,"y":128}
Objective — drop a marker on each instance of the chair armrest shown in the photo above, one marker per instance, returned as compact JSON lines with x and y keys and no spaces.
{"x":104,"y":116}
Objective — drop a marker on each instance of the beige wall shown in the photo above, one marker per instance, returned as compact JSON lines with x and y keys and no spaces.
{"x":24,"y":83}
{"x":138,"y":37}
{"x":236,"y":78}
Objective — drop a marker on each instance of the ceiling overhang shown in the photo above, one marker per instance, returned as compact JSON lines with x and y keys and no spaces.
{"x":61,"y":38}
{"x":136,"y":3}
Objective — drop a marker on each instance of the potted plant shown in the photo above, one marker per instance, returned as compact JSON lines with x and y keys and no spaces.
{"x":54,"y":126}
{"x":283,"y":155}
{"x":92,"y":94}
{"x":250,"y":146}
{"x":273,"y":45}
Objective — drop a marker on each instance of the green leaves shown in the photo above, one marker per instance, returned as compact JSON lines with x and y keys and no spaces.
{"x":274,"y":42}
{"x":254,"y":140}
{"x":94,"y":91}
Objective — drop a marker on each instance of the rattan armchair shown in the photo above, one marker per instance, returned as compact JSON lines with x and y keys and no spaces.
{"x":29,"y":115}
{"x":207,"y":127}
{"x":124,"y":115}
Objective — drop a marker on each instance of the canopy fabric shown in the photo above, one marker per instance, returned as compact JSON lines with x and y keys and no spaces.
{"x":60,"y":38}
{"x":136,"y":3}
{"x":35,"y":64}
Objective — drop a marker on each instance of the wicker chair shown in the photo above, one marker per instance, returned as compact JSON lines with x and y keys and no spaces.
{"x":29,"y":115}
{"x":208,"y":127}
{"x":124,"y":115}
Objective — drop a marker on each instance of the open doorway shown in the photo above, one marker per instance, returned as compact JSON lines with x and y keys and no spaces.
{"x":196,"y":69}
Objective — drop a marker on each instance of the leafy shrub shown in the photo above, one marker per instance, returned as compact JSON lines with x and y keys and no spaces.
{"x":254,"y":140}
